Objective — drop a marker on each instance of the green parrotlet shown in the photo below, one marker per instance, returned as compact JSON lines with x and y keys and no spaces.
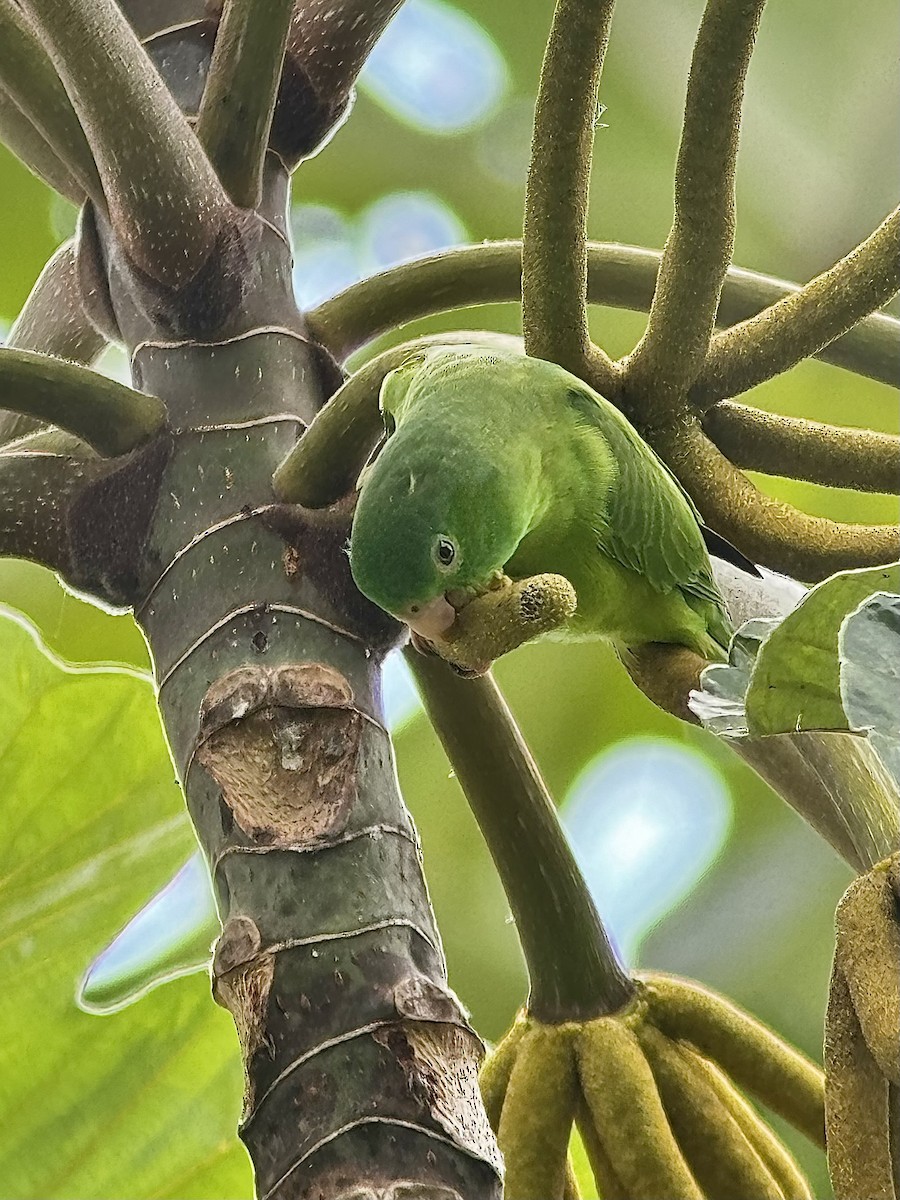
{"x":499,"y":464}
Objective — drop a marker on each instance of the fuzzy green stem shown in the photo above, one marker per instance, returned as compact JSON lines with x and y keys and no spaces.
{"x":326,"y":462}
{"x":618,"y":276}
{"x":30,"y":80}
{"x":30,"y":147}
{"x":165,"y":202}
{"x":239,"y":97}
{"x":801,"y":324}
{"x":768,"y":531}
{"x":554,"y":257}
{"x":52,"y":321}
{"x":573,"y":969}
{"x":110,"y":417}
{"x":834,"y":455}
{"x":699,"y":248}
{"x":750,"y":1053}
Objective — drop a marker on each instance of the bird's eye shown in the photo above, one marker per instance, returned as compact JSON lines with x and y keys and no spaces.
{"x":445,"y":552}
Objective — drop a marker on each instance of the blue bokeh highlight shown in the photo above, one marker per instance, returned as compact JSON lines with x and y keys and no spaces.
{"x":646,"y":819}
{"x":436,"y":69}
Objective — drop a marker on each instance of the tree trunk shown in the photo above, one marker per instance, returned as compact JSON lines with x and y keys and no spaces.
{"x":360,"y":1063}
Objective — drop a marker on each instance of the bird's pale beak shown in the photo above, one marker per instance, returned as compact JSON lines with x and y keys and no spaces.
{"x":431,"y":620}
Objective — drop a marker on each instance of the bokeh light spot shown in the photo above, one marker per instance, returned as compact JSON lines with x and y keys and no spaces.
{"x":321,"y":271}
{"x":169,"y":937}
{"x":646,"y":819}
{"x":504,"y":145}
{"x":404,"y":225}
{"x":331,"y":251}
{"x":398,"y":692}
{"x":435,"y":68}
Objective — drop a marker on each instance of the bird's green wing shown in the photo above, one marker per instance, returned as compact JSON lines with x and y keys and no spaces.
{"x":650,"y":523}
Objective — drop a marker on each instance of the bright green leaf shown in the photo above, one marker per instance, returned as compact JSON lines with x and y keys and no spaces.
{"x":870,"y":674}
{"x":795,"y":684}
{"x":143,"y":1103}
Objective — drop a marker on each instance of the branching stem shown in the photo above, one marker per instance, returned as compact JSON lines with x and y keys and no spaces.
{"x":36,"y":493}
{"x":52,"y":321}
{"x":328,"y":44}
{"x":699,"y":248}
{"x":110,"y":417}
{"x":29,"y":145}
{"x":573,"y":969}
{"x":30,"y":79}
{"x":769,"y":532}
{"x":834,"y":455}
{"x":804,"y":322}
{"x":239,"y":97}
{"x":618,"y":276}
{"x":554,"y":257}
{"x":165,"y":202}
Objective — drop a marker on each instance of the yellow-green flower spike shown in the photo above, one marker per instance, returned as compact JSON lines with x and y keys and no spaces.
{"x":868,"y":953}
{"x":780,"y":1162}
{"x":748,"y":1051}
{"x":608,"y":1183}
{"x":628,"y":1115}
{"x":493,"y":1078}
{"x":722,"y":1160}
{"x":859,"y":1105}
{"x":537,"y":1115}
{"x":502,"y":619}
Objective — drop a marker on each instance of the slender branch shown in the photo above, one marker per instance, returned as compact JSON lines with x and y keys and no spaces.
{"x":165,"y":202}
{"x":554,"y":256}
{"x":30,"y":79}
{"x":36,"y":492}
{"x":803,"y":323}
{"x":573,"y":969}
{"x":30,"y":146}
{"x":798,"y":449}
{"x":618,"y":276}
{"x":326,"y":462}
{"x":107,"y":415}
{"x":239,"y":97}
{"x":328,"y":45}
{"x":769,"y":532}
{"x":698,"y":250}
{"x":52,"y":321}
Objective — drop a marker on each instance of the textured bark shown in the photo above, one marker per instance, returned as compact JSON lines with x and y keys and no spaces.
{"x":360,"y":1063}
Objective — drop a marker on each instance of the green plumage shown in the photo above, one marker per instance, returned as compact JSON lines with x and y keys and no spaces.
{"x":519,"y":467}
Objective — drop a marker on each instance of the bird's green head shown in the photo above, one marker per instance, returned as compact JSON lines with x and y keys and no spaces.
{"x":434,"y":514}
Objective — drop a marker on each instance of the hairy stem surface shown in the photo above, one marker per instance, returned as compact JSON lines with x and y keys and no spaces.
{"x":554,"y":257}
{"x":804,"y":322}
{"x":618,"y":276}
{"x":698,"y":250}
{"x":834,"y":455}
{"x":768,"y":531}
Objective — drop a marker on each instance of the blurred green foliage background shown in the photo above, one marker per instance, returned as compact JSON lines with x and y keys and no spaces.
{"x":698,"y":867}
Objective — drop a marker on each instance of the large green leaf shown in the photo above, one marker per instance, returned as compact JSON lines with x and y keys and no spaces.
{"x":142,"y":1103}
{"x":870,"y":675}
{"x":795,"y":684}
